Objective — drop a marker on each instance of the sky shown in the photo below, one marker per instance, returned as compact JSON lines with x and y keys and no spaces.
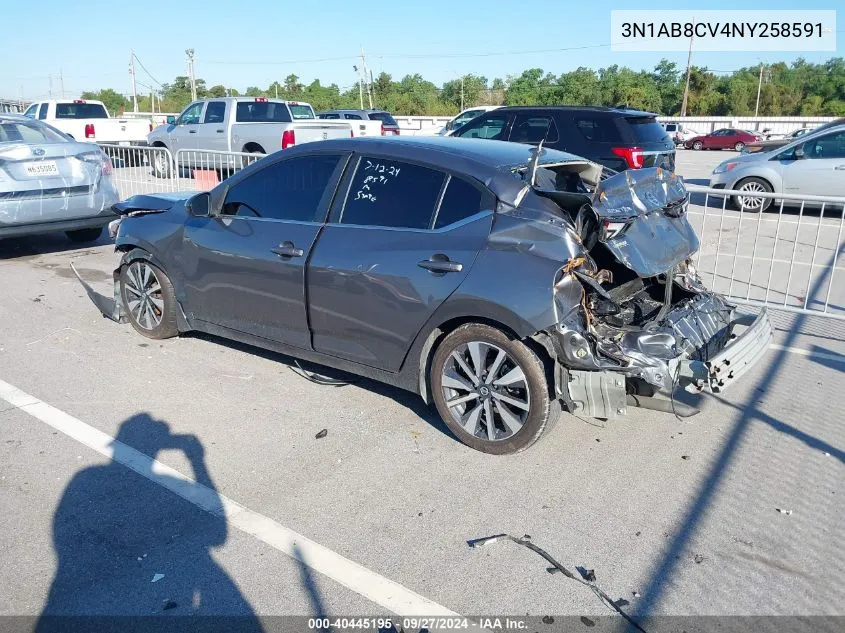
{"x":240,"y":44}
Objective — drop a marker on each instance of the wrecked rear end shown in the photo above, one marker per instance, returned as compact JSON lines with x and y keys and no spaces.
{"x":633,"y":320}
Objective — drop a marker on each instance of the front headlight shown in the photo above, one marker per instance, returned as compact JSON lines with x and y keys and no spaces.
{"x":721,"y":169}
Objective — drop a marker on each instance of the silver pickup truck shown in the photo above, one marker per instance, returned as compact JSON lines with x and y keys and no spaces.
{"x":256,"y":125}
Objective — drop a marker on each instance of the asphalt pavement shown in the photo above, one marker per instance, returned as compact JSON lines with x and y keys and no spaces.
{"x":186,"y":476}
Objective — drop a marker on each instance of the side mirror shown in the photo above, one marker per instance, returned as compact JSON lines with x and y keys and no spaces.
{"x":200,"y":205}
{"x":798,"y":152}
{"x":171,"y":120}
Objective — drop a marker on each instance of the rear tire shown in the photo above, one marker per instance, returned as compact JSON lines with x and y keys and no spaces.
{"x":750,"y":204}
{"x":739,"y":146}
{"x":148,"y":299}
{"x":496,"y":380}
{"x":85,"y":235}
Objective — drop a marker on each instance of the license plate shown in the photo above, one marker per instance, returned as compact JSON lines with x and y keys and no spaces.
{"x":42,"y":168}
{"x":124,"y":143}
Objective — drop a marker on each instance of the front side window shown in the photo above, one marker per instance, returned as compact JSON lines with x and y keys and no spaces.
{"x":287,"y":190}
{"x":460,"y":200}
{"x":352,"y":116}
{"x":391,"y":193}
{"x":829,"y":146}
{"x":215,"y":112}
{"x":533,"y":129}
{"x":191,"y":116}
{"x":31,"y":110}
{"x":330,"y":115}
{"x":491,"y":126}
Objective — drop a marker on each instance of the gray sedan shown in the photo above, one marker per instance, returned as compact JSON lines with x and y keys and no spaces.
{"x":812,"y":164}
{"x":49,"y":182}
{"x":496,"y":280}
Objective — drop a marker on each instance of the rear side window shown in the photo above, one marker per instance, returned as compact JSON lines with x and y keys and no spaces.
{"x":646,"y":129}
{"x":460,"y":201}
{"x":215,"y":112}
{"x":261,"y":112}
{"x":287,"y":190}
{"x":384,"y":117}
{"x":392,"y":194}
{"x":533,"y":129}
{"x":598,"y":129}
{"x":491,"y":126}
{"x":81,"y":111}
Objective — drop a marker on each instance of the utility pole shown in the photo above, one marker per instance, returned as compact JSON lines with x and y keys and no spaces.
{"x":364,"y":73}
{"x":759,"y":85}
{"x":276,"y":86}
{"x":50,"y":86}
{"x":132,"y":80}
{"x":190,"y":53}
{"x":689,"y":67}
{"x":62,"y":83}
{"x":462,"y":93}
{"x":360,"y":86}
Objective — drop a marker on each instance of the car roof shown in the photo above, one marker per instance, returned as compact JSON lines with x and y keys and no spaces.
{"x":597,"y":109}
{"x":14,"y":116}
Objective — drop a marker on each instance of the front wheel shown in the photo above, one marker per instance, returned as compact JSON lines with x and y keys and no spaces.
{"x":491,"y":390}
{"x":698,"y":145}
{"x":148,"y":299}
{"x":750,"y":203}
{"x":162,"y":165}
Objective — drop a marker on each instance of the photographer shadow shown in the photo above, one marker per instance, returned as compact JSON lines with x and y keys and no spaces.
{"x":129,"y":543}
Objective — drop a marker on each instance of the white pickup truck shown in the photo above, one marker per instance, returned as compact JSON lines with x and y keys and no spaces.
{"x":256,"y":125}
{"x":89,"y":122}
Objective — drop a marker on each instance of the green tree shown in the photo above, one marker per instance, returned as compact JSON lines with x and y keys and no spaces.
{"x":471,"y":94}
{"x":217,"y":91}
{"x":114,"y":101}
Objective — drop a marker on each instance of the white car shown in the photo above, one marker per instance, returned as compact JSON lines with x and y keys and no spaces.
{"x":678,"y":132}
{"x":89,"y":122}
{"x":465,"y":116}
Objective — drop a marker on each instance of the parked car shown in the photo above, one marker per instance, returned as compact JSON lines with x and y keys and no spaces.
{"x":463,"y":117}
{"x":388,"y":123}
{"x":617,"y":138}
{"x":492,"y":278}
{"x":49,"y":182}
{"x":772,"y":143}
{"x":89,"y":121}
{"x":726,"y":138}
{"x":812,"y":164}
{"x":678,"y":132}
{"x":254,"y":125}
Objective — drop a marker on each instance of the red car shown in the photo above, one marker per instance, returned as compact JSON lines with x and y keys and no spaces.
{"x":727,"y":138}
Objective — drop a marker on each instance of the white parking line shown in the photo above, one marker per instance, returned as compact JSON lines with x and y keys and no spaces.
{"x":376,"y":588}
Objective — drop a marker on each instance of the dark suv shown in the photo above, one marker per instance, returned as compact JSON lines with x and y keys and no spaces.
{"x":616,"y":138}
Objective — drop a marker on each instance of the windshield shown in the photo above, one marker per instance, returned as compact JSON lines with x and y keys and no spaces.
{"x":81,"y":111}
{"x":27,"y":132}
{"x":384,"y":117}
{"x":301,"y":111}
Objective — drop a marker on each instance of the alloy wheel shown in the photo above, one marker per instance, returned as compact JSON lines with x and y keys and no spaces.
{"x":486,"y":391}
{"x":144,"y":297}
{"x":751,"y":202}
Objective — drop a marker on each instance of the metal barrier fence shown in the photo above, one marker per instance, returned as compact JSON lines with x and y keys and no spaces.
{"x":773,"y":258}
{"x":788,"y":256}
{"x":139,"y":170}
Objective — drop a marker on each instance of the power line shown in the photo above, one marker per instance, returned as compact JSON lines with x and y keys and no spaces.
{"x":144,"y":68}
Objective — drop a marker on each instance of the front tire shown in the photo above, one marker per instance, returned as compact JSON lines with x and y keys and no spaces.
{"x":491,"y":390}
{"x":85,"y":235}
{"x":162,"y":165}
{"x":749,"y":204}
{"x":697,"y":145}
{"x":148,"y":299}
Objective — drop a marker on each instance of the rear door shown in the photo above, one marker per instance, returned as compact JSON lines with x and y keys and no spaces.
{"x":399,"y":244}
{"x":245,"y":269}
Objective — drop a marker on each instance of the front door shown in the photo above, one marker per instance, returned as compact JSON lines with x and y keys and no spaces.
{"x":183,"y":134}
{"x":245,"y":268}
{"x":821,"y":171}
{"x":397,"y":248}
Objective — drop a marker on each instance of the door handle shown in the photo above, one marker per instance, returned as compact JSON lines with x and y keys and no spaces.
{"x":840,"y":167}
{"x":220,"y":131}
{"x":287,"y":249}
{"x":440,"y":264}
{"x":192,"y":131}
